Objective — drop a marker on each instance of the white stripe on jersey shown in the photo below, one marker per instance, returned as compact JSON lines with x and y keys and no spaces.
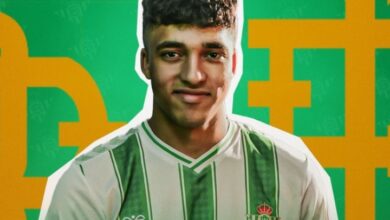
{"x":103,"y":163}
{"x":231,"y":184}
{"x":183,"y":190}
{"x":164,"y":183}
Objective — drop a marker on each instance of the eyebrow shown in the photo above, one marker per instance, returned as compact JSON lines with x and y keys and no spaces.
{"x":169,"y":44}
{"x":213,"y":45}
{"x":175,"y":44}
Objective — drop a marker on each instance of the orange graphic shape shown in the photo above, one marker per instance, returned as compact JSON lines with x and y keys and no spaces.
{"x":359,"y":152}
{"x":18,"y":72}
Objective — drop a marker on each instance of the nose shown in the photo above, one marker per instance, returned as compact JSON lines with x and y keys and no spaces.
{"x":192,"y":73}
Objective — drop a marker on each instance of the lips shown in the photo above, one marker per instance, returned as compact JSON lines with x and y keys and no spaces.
{"x":191,"y":96}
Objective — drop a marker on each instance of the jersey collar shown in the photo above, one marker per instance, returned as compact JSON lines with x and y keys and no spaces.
{"x":199,"y":163}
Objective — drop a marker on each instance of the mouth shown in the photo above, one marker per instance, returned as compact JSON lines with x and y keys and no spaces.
{"x":191,"y":96}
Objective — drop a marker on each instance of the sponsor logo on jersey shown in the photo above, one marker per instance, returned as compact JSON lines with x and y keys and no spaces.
{"x":134,"y":217}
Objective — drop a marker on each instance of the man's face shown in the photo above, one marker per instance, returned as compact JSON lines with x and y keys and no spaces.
{"x":190,"y":69}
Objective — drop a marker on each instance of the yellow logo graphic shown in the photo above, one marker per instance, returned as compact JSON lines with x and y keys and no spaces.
{"x":359,"y":151}
{"x":18,"y":72}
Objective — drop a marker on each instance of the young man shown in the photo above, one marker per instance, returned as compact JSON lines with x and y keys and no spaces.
{"x":192,"y":160}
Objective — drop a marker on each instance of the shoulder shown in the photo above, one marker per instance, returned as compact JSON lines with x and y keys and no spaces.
{"x":94,"y":166}
{"x":103,"y":147}
{"x":291,"y":151}
{"x":283,"y":141}
{"x":89,"y":181}
{"x":301,"y":175}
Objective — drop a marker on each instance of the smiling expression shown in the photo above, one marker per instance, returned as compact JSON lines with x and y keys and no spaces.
{"x":190,"y":69}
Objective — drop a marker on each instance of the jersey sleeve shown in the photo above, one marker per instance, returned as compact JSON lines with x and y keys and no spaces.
{"x":318,"y":200}
{"x":73,"y":198}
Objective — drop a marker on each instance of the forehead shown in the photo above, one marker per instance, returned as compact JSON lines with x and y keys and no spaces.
{"x":190,"y":36}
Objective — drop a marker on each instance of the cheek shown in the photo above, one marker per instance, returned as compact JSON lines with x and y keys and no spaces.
{"x":162,"y":73}
{"x":219,"y":75}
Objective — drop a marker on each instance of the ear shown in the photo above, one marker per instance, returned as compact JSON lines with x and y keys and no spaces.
{"x":234,"y":62}
{"x":145,"y":63}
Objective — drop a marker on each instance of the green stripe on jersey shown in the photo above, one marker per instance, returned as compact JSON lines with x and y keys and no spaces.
{"x":200,"y":193}
{"x":127,"y":159}
{"x":261,"y":173}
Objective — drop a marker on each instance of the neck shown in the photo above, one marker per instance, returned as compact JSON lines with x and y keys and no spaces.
{"x":192,"y":141}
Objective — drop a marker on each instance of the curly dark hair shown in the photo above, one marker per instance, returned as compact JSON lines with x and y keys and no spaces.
{"x":200,"y":13}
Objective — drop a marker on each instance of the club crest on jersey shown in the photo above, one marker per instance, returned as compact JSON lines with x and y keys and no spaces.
{"x":264,"y":209}
{"x":264,"y":212}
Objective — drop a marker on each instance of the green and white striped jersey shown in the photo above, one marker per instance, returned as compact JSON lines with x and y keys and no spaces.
{"x":250,"y":174}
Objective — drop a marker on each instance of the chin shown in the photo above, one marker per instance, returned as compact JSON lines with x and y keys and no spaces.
{"x":190,"y":122}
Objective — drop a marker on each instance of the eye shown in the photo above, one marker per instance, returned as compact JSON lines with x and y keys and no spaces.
{"x":170,"y":55}
{"x":214,"y":56}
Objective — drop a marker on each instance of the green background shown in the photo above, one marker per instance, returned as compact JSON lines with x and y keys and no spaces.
{"x":101,"y":35}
